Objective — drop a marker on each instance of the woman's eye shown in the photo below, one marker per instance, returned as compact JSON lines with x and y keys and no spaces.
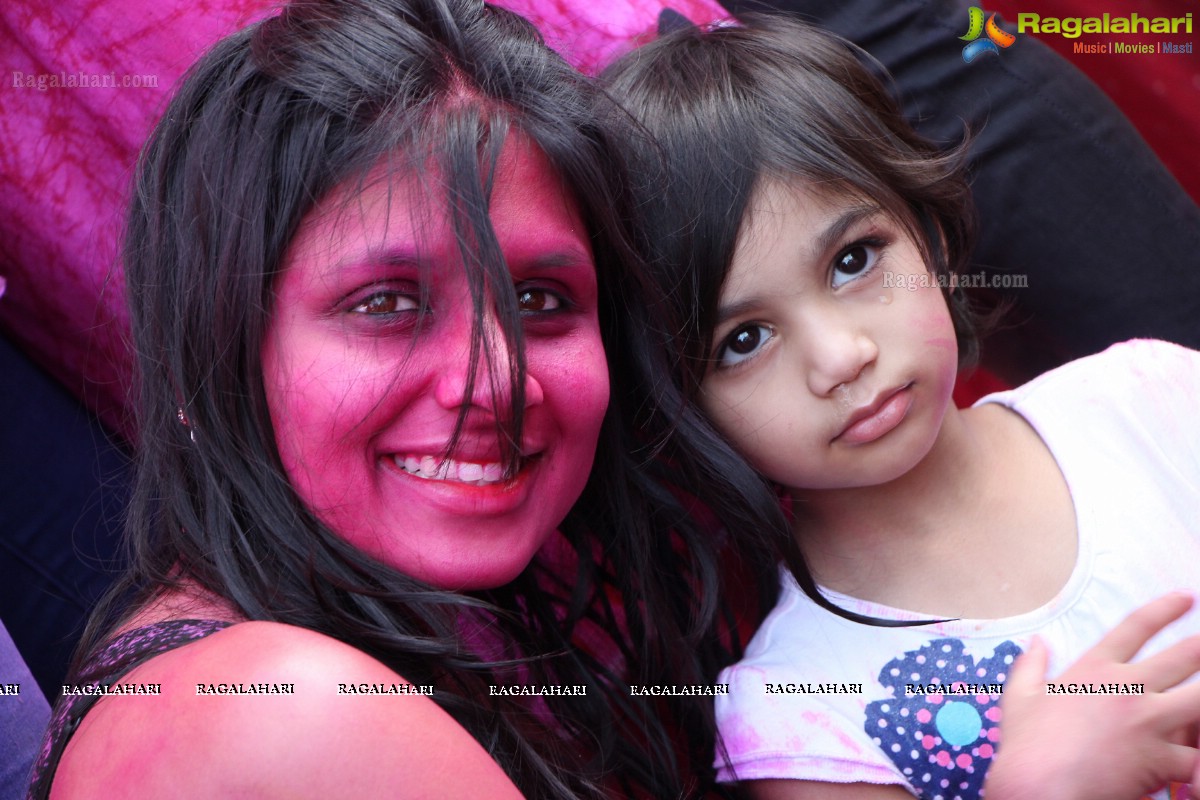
{"x":386,"y":303}
{"x":532,"y":301}
{"x":856,"y":260}
{"x":742,"y":344}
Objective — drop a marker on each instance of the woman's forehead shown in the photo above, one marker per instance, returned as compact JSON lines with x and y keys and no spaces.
{"x":405,"y":210}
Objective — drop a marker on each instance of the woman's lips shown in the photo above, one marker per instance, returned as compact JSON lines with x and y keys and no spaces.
{"x":877,"y":419}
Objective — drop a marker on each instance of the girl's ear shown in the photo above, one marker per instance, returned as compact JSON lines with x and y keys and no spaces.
{"x":670,"y":20}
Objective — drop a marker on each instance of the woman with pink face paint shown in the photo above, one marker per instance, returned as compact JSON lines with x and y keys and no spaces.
{"x":392,"y":534}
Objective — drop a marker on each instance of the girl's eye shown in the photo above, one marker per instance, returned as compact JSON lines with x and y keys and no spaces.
{"x":856,"y":260}
{"x":743,"y":344}
{"x":535,"y":301}
{"x":386,"y":303}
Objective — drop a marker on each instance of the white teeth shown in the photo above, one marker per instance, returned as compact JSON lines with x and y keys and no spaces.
{"x":469,"y":473}
{"x":435,"y":469}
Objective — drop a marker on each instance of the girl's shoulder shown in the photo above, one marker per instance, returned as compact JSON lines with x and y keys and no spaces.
{"x":1124,"y":369}
{"x":1142,"y":384}
{"x":264,"y":709}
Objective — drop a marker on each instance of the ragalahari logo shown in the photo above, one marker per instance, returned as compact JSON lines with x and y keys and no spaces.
{"x":997,"y":38}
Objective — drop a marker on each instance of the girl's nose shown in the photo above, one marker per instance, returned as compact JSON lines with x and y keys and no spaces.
{"x":838,"y":352}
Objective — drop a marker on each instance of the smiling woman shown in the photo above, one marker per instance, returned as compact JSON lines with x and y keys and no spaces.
{"x":377,"y":274}
{"x":385,"y":427}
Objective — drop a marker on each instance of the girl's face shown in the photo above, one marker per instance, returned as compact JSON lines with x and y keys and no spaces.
{"x":828,"y":370}
{"x":365,"y":386}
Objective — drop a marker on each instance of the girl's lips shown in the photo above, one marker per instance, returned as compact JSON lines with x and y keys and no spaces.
{"x":878,"y":418}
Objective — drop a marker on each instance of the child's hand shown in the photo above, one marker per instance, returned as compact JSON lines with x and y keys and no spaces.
{"x":1102,"y":747}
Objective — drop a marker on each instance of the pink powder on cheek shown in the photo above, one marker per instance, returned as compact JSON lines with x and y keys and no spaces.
{"x":942,"y":343}
{"x":936,"y":327}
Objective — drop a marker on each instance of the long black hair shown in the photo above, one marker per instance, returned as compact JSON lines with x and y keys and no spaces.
{"x":709,"y":116}
{"x":272,"y":120}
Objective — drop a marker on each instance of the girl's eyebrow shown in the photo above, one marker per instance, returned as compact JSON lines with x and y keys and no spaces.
{"x":835,"y":231}
{"x":829,"y":237}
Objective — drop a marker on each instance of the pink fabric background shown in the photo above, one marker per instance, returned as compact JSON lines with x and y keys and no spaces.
{"x":67,"y":154}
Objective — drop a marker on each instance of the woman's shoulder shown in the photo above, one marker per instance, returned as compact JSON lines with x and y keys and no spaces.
{"x":264,"y":709}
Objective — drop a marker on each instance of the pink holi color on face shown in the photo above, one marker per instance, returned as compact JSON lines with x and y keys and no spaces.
{"x":364,"y":400}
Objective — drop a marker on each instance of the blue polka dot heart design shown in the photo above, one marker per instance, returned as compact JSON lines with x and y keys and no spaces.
{"x":943,"y":741}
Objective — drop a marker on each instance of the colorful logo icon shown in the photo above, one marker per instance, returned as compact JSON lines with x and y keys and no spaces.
{"x":997,"y":38}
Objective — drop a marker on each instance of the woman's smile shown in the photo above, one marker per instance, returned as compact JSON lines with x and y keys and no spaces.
{"x":449,"y":469}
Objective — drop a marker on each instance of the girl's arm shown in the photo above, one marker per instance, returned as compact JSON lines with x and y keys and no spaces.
{"x":313,"y":743}
{"x":1078,"y":747}
{"x":813,"y":790}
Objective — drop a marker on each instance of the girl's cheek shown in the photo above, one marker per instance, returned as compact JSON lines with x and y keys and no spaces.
{"x":936,"y":325}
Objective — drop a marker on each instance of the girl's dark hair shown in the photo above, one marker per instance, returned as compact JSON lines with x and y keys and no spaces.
{"x":272,"y":120}
{"x":716,"y":113}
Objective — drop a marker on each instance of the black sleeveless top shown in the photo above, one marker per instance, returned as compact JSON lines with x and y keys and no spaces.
{"x":108,"y":666}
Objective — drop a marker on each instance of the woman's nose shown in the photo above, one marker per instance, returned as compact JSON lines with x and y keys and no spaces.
{"x":487,"y":383}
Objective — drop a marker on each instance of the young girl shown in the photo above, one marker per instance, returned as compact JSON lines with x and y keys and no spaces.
{"x":387,"y":504}
{"x":811,"y":243}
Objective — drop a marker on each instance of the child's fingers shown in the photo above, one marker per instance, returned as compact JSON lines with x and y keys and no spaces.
{"x":1170,"y":667}
{"x":1178,"y":763}
{"x":1182,"y":707}
{"x":1123,"y":641}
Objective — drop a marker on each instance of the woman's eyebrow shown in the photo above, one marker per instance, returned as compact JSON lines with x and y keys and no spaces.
{"x":567,"y":257}
{"x":403,"y":256}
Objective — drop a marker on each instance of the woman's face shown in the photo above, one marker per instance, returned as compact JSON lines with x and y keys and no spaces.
{"x":366,"y":380}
